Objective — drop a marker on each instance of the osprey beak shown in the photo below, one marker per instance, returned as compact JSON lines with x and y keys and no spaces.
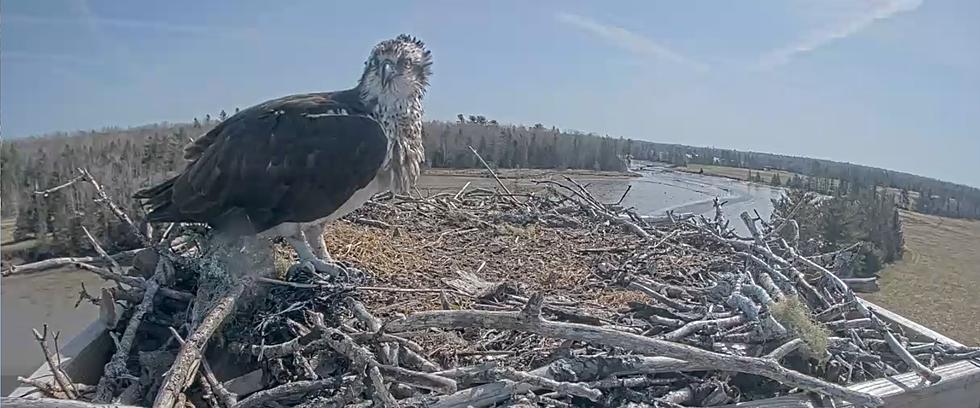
{"x":387,"y":70}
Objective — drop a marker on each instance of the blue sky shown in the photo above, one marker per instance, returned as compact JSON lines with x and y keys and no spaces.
{"x":888,"y":83}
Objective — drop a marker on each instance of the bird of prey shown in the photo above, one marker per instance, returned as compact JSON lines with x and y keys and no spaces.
{"x":287,"y":166}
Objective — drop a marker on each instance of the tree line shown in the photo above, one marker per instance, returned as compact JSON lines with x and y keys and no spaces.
{"x":912,"y":192}
{"x":125,"y":160}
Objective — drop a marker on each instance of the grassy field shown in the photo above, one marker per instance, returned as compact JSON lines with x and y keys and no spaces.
{"x":7,"y":238}
{"x":734,"y":172}
{"x":937,"y":283}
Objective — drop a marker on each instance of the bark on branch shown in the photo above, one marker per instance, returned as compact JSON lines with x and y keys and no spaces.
{"x":520,"y":321}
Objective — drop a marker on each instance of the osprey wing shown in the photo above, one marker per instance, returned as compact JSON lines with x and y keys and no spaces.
{"x":293,"y":159}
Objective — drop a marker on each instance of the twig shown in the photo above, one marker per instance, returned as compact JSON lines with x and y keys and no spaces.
{"x":98,"y":248}
{"x":118,"y":212}
{"x":59,"y":262}
{"x":26,"y":402}
{"x":510,"y":195}
{"x":361,"y":357}
{"x":372,"y":223}
{"x":389,"y":355}
{"x":849,"y":296}
{"x":527,"y":321}
{"x":138,"y":283}
{"x":67,"y":184}
{"x":461,"y":190}
{"x":578,"y":390}
{"x":698,"y":325}
{"x":265,"y":397}
{"x":190,"y":354}
{"x":52,"y":390}
{"x":116,"y":369}
{"x":907,"y":358}
{"x":783,"y":350}
{"x":228,"y":399}
{"x":623,"y":197}
{"x":59,"y":376}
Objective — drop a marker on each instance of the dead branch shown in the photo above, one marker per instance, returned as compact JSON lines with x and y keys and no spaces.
{"x":698,"y":325}
{"x":66,"y":184}
{"x":190,"y":354}
{"x":59,"y":376}
{"x":785,"y":349}
{"x":907,"y":358}
{"x":227,"y":398}
{"x":118,"y":212}
{"x":65,"y":261}
{"x":578,"y":390}
{"x":98,"y":249}
{"x":362,"y":358}
{"x":510,"y":195}
{"x":523,"y":321}
{"x":27,"y":402}
{"x":266,"y":397}
{"x":849,"y":296}
{"x":115,"y":369}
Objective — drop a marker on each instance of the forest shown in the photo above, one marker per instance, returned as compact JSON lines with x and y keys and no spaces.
{"x":125,"y":160}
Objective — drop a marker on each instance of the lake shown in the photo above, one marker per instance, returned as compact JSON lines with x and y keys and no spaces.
{"x":49,"y":297}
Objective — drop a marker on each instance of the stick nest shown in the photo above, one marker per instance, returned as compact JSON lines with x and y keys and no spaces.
{"x":480,"y":298}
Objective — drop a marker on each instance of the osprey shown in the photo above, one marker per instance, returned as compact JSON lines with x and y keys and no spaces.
{"x":287,"y":166}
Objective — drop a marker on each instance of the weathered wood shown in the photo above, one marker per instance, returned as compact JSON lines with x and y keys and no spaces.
{"x":697,"y":325}
{"x":863,"y":285}
{"x":188,"y":358}
{"x":26,"y":402}
{"x":524,"y":321}
{"x":265,"y":397}
{"x":116,"y":369}
{"x":53,"y":263}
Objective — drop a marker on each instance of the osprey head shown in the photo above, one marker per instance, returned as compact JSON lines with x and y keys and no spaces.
{"x":398,"y":67}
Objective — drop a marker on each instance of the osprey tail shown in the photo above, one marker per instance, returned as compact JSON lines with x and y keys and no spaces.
{"x":160,"y":203}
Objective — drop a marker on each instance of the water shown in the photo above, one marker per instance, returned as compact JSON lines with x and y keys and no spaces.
{"x":49,"y":297}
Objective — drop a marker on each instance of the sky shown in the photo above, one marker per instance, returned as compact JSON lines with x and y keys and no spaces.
{"x":886,"y":83}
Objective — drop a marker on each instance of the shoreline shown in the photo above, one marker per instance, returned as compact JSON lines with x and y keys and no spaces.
{"x":528,"y":173}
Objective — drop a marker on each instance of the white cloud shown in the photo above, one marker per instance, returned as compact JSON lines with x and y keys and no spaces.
{"x":847,"y":24}
{"x":628,"y":40}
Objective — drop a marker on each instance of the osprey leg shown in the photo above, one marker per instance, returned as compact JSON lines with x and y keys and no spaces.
{"x":314,"y":236}
{"x":306,"y":254}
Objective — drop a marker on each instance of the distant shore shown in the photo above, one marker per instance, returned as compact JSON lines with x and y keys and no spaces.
{"x":528,"y":173}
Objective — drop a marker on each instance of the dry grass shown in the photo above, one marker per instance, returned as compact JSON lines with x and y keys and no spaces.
{"x":937,"y":283}
{"x":540,"y":259}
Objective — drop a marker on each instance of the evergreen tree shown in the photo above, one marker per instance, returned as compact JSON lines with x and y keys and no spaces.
{"x":775,"y":180}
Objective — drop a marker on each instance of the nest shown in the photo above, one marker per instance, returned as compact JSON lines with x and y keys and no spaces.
{"x":481,"y":298}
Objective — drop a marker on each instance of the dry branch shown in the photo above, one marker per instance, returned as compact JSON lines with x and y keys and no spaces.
{"x":59,"y":376}
{"x":266,"y":397}
{"x":27,"y":402}
{"x":118,"y":212}
{"x":529,"y":321}
{"x":188,"y":358}
{"x":59,"y":262}
{"x":115,"y":369}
